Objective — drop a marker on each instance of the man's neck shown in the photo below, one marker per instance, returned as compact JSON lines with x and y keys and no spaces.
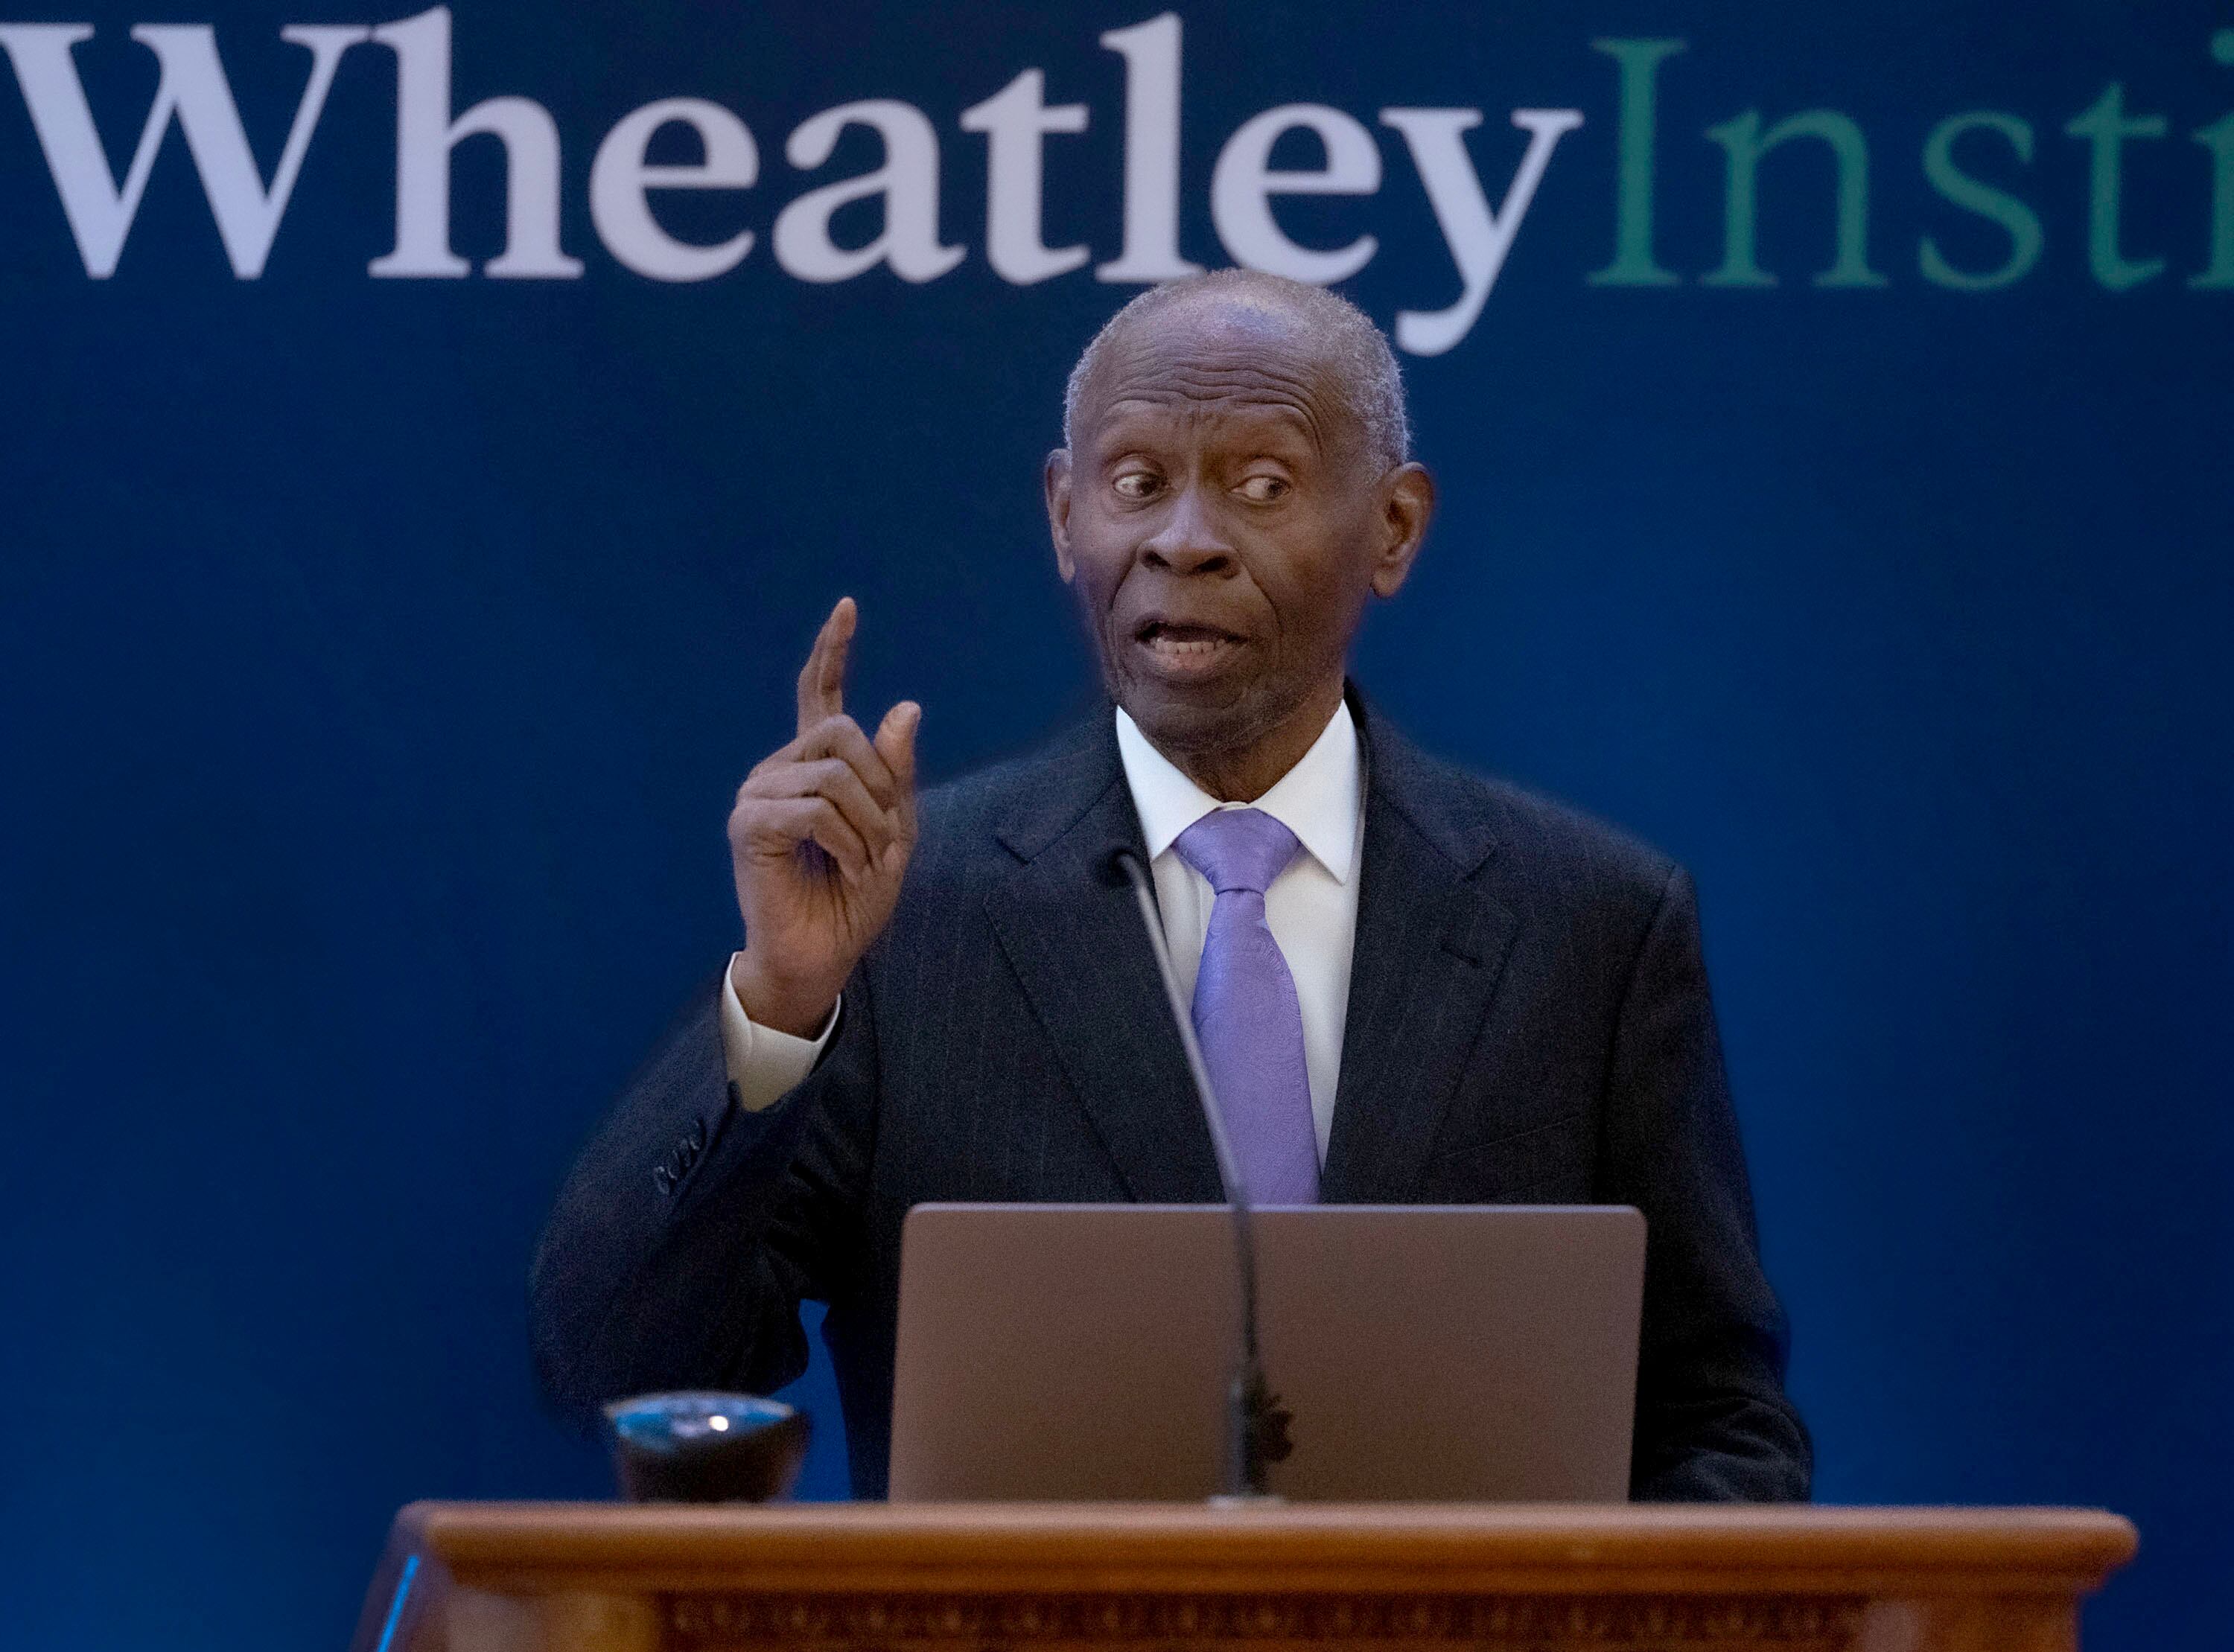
{"x":1245,"y":774}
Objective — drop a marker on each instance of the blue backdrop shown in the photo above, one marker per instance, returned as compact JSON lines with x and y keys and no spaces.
{"x":1837,"y":492}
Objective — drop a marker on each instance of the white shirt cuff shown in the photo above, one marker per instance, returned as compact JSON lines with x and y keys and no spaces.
{"x":764,"y":1064}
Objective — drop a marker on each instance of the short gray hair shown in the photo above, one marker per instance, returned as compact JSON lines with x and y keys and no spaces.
{"x":1357,"y":352}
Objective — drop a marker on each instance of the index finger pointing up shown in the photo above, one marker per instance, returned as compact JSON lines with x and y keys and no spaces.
{"x":822,"y":679}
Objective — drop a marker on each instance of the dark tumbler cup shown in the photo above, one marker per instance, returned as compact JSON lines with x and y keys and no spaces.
{"x":706,"y":1447}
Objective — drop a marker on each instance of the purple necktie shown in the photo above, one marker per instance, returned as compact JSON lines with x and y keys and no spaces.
{"x":1245,"y":1013}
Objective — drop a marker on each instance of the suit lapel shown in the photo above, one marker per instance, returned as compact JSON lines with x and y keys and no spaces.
{"x":1423,"y":970}
{"x":1076,"y":945}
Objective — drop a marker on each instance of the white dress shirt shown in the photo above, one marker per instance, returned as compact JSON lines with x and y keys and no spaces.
{"x":1311,"y":907}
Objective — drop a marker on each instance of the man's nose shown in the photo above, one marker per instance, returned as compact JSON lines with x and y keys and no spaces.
{"x":1188,"y":541}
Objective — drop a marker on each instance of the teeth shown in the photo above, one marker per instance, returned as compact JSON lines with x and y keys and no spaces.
{"x":1174,"y":648}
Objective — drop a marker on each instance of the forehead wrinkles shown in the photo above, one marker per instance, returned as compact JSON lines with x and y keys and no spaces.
{"x":1199,"y":386}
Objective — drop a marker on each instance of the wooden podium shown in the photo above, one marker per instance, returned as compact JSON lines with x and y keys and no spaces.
{"x":1389,"y":1577}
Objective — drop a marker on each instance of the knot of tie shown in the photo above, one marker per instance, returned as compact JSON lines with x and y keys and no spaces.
{"x":1237,"y":848}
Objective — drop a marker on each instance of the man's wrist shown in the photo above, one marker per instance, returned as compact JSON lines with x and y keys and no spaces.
{"x":800,"y":1009}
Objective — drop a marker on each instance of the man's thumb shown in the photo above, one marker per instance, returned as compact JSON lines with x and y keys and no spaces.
{"x":895,"y":741}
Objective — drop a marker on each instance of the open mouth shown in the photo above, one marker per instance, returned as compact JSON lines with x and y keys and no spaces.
{"x":1185,"y":644}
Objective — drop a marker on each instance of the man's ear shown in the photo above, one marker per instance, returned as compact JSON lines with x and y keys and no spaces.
{"x":1407,"y":501}
{"x":1054,"y":482}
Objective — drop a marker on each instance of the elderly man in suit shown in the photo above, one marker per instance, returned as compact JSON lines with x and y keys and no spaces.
{"x":1414,"y":984}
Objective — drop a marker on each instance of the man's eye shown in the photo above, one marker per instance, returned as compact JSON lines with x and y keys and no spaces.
{"x":1134,"y":484}
{"x":1262,"y":490}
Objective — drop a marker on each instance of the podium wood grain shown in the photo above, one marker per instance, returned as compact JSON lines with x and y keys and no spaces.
{"x":874,"y":1577}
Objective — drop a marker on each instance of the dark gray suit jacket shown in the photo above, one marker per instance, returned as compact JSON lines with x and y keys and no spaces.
{"x":1529,"y":1023}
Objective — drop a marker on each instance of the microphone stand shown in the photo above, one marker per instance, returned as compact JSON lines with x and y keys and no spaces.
{"x":1257,"y":1426}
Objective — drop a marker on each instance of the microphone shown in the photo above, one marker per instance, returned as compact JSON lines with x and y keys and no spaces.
{"x":1256,"y":1424}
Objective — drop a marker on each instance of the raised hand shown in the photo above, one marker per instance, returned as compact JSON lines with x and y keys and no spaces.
{"x":819,"y":841}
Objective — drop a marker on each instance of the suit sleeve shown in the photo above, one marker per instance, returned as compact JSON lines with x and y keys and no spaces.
{"x":690,"y":1230}
{"x":1713,"y":1423}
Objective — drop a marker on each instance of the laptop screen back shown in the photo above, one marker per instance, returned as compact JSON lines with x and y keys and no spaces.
{"x":1082,"y":1351}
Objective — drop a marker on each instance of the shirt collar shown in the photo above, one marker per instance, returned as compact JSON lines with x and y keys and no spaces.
{"x":1317,"y":799}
